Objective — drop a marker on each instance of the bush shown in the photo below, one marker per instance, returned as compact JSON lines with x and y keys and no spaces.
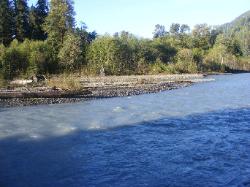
{"x":15,"y":61}
{"x":186,"y":67}
{"x":164,"y":50}
{"x":2,"y":52}
{"x":65,"y":81}
{"x":185,"y":62}
{"x":185,"y":55}
{"x":219,"y":59}
{"x":26,"y":59}
{"x":40,"y":58}
{"x":142,"y":67}
{"x":158,"y":67}
{"x":113,"y":54}
{"x":70,"y":55}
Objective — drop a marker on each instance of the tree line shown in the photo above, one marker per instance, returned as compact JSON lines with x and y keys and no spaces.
{"x":44,"y":39}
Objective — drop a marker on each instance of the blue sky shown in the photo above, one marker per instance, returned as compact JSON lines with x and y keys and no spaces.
{"x":140,"y":16}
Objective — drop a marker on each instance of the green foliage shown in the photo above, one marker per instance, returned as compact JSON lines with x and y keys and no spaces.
{"x":40,"y":59}
{"x":6,"y":22}
{"x":175,"y":28}
{"x":26,"y":59}
{"x":159,"y":31}
{"x":185,"y":62}
{"x":185,"y":55}
{"x":104,"y":53}
{"x":70,"y":55}
{"x":216,"y":59}
{"x":158,"y":67}
{"x":41,"y":12}
{"x":201,"y":36}
{"x":240,"y":30}
{"x":232,"y":45}
{"x":37,"y":18}
{"x":22,"y":20}
{"x":243,"y":38}
{"x":2,"y":52}
{"x":164,"y":50}
{"x":59,"y":22}
{"x":15,"y":61}
{"x":49,"y":43}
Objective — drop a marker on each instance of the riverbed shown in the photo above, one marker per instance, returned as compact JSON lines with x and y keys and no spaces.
{"x":193,"y":136}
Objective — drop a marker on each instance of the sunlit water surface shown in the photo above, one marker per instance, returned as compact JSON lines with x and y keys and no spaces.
{"x":195,"y":136}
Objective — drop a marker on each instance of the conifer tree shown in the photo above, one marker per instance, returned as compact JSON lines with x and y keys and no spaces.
{"x":6,"y":22}
{"x":41,"y":12}
{"x":21,"y":20}
{"x":32,"y":23}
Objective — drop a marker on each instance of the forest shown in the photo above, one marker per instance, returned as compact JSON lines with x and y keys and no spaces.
{"x":45,"y":39}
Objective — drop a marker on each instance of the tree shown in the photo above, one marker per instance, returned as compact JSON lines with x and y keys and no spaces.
{"x":59,"y":23}
{"x":243,"y":36}
{"x":38,"y":15}
{"x":201,"y":36}
{"x":70,"y":54}
{"x":175,"y":28}
{"x":92,"y":36}
{"x":184,"y":28}
{"x":163,"y":50}
{"x":231,"y":44}
{"x":115,"y":55}
{"x":21,"y":20}
{"x":32,"y":22}
{"x":6,"y":22}
{"x":159,"y":31}
{"x":213,"y":35}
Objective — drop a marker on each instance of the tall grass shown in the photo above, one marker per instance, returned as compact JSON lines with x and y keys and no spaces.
{"x":65,"y":81}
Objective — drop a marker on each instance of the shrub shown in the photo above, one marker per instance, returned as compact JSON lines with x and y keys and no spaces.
{"x":40,"y":58}
{"x":185,"y":55}
{"x":142,"y":67}
{"x":2,"y":51}
{"x":65,"y":81}
{"x":70,"y":55}
{"x":219,"y":59}
{"x":158,"y":67}
{"x":111,"y":54}
{"x":15,"y":61}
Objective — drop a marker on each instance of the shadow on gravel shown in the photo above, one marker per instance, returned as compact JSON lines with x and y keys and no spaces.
{"x":211,"y":149}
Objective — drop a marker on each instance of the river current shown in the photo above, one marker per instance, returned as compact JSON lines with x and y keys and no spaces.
{"x":194,"y":136}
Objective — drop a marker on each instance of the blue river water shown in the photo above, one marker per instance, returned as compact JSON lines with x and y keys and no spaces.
{"x":194,"y":136}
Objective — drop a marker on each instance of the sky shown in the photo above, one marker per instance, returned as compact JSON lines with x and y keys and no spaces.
{"x":140,"y":16}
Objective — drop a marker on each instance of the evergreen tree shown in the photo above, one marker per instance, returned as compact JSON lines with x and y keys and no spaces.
{"x":41,"y":12}
{"x":6,"y":22}
{"x":37,"y":18}
{"x":32,"y":22}
{"x":21,"y":19}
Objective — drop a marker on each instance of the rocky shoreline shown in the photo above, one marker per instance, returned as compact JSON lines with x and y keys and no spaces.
{"x":96,"y":88}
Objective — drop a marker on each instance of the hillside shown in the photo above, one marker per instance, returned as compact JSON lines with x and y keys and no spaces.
{"x":240,"y":28}
{"x":237,"y":24}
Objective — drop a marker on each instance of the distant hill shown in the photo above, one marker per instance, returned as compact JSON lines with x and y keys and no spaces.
{"x":237,"y":24}
{"x":239,"y":28}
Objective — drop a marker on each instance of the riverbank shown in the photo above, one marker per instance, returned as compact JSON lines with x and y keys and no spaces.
{"x":94,"y":88}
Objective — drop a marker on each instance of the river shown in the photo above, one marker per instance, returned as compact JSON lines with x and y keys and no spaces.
{"x":194,"y":136}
